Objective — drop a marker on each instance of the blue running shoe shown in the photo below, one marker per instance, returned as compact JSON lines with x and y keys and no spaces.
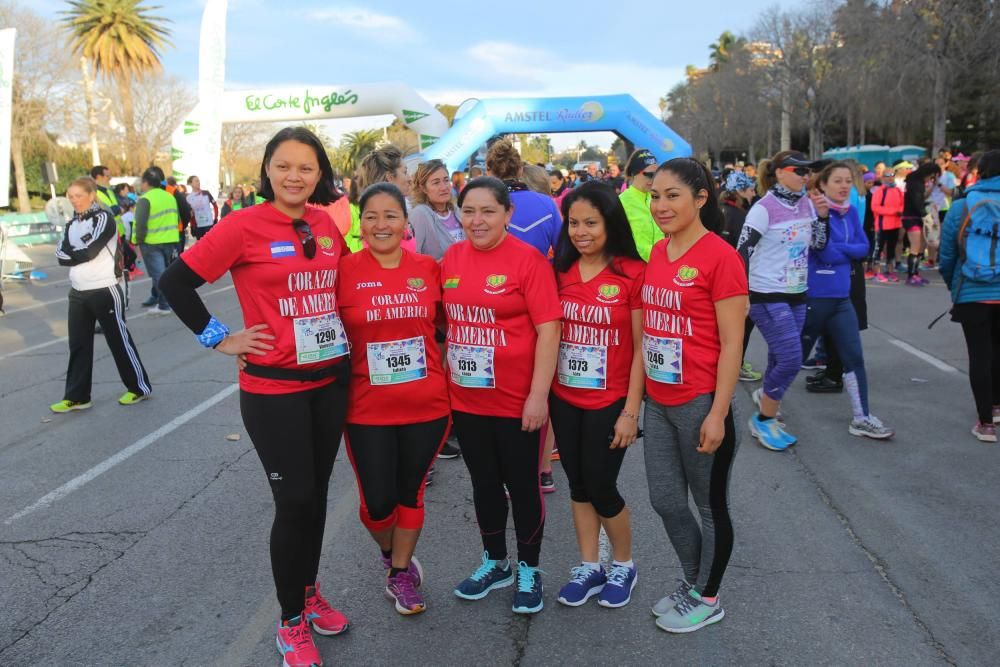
{"x":618,"y":592}
{"x":492,"y":574}
{"x":584,"y":583}
{"x":528,"y":598}
{"x":770,"y":434}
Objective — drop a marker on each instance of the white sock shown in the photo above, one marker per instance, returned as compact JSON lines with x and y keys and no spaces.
{"x":628,"y":563}
{"x":592,"y":566}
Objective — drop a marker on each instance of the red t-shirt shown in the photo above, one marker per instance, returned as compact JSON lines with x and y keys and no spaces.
{"x":278,"y":286}
{"x":397,"y":376}
{"x":595,"y":352}
{"x":493,"y":300}
{"x":680,"y":331}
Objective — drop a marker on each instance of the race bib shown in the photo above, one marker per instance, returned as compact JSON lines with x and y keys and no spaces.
{"x":397,"y":361}
{"x":583,"y":366}
{"x":319,"y":338}
{"x":797,"y":269}
{"x":662,"y":359}
{"x":471,"y":366}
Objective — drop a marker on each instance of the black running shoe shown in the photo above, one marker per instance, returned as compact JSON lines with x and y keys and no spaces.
{"x":825,"y":386}
{"x":449,"y":451}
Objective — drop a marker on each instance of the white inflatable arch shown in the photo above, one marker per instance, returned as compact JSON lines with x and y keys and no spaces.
{"x":197,"y":143}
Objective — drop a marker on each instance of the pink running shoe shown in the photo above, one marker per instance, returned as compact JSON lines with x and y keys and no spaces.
{"x":985,"y":432}
{"x":893,"y":278}
{"x":295,"y":644}
{"x":324,"y":619}
{"x":923,"y":281}
{"x":914,"y":281}
{"x":416,"y":570}
{"x":996,"y":414}
{"x":401,"y":590}
{"x":881,"y":277}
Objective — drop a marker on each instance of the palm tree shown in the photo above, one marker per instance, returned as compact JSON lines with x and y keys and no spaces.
{"x":722,"y":50}
{"x":123,"y":40}
{"x":355,"y":146}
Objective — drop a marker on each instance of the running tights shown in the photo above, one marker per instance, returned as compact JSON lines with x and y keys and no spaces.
{"x":590,"y":464}
{"x":497,"y":453}
{"x":296,"y":436}
{"x":981,"y":326}
{"x":887,"y":241}
{"x":673,"y":468}
{"x":781,"y":326}
{"x":391,"y":464}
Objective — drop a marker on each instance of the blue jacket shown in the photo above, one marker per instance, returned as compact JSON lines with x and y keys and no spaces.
{"x":950,"y":263}
{"x":830,"y":268}
{"x":536,"y":220}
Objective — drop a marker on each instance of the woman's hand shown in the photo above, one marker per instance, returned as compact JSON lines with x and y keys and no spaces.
{"x":713,"y":430}
{"x":535,"y":413}
{"x":626,"y":430}
{"x":247,"y":341}
{"x":819,"y":203}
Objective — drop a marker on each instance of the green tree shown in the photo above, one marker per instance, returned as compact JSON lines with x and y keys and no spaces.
{"x":123,"y":39}
{"x":721,"y":51}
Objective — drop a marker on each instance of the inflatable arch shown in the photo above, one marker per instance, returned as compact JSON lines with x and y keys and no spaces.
{"x":620,"y":114}
{"x":197,"y":142}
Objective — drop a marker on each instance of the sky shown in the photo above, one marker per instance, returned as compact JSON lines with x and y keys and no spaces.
{"x":450,"y":51}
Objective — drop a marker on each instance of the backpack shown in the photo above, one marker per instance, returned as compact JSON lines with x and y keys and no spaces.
{"x":979,"y":241}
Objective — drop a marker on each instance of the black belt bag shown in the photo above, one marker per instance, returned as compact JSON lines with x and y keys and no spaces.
{"x":340,"y":370}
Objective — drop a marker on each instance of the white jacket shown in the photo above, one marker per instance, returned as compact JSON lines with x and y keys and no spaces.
{"x":88,"y":248}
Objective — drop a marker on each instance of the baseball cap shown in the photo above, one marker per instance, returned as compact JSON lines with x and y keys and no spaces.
{"x":795,"y":159}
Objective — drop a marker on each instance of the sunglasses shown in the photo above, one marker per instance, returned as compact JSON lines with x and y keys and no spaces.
{"x":304,"y":231}
{"x":798,"y":171}
{"x":649,"y":174}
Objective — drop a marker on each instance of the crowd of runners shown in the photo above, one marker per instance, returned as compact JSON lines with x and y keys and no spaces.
{"x":520,"y":313}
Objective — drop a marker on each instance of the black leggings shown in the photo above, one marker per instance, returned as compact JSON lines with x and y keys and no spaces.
{"x":590,"y":464}
{"x":887,"y":240}
{"x":390,"y":463}
{"x":747,"y":330}
{"x":981,"y":326}
{"x":296,"y":436}
{"x":497,"y":453}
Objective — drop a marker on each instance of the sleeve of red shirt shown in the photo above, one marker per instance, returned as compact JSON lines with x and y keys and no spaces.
{"x":216,"y":253}
{"x":636,"y":273}
{"x":729,"y":277}
{"x":540,"y":291}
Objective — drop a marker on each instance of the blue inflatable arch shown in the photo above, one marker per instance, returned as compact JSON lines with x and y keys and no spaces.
{"x":620,"y":114}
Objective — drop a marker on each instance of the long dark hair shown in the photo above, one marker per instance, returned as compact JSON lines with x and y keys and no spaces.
{"x":620,"y":243}
{"x":696,"y":176}
{"x":323,"y":194}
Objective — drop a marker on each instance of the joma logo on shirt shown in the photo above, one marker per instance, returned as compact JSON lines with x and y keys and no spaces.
{"x":375,"y":283}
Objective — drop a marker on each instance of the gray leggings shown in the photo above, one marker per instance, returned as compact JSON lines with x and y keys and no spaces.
{"x":672,"y":468}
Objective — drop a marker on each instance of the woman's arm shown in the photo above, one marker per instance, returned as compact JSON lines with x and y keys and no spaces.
{"x":536,"y":408}
{"x":730,"y":314}
{"x":627,"y":426}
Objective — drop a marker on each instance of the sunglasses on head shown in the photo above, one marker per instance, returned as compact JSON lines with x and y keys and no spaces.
{"x":304,"y":231}
{"x":798,"y":171}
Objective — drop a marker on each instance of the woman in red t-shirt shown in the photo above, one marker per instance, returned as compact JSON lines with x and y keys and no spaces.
{"x":284,"y":258}
{"x":598,"y":390}
{"x":389,"y":298}
{"x":503,"y":315}
{"x":694,"y":304}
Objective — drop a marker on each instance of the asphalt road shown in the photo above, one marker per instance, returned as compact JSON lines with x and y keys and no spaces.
{"x":139,"y":535}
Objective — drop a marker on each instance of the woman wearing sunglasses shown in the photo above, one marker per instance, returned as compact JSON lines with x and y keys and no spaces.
{"x":389,"y":298}
{"x":284,"y":258}
{"x":503,"y":315}
{"x":640,"y":169}
{"x":779,"y":231}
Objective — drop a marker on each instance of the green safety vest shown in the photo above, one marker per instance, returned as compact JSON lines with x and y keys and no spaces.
{"x":163,"y":218}
{"x":353,"y":239}
{"x":107,"y":201}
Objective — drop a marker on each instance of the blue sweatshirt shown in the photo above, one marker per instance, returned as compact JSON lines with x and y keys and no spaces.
{"x":536,"y":220}
{"x":830,"y":268}
{"x":950,"y":264}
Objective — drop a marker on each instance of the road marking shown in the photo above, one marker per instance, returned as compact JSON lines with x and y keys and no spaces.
{"x":56,"y":341}
{"x":54,"y":301}
{"x":920,"y":354}
{"x":125,"y":454}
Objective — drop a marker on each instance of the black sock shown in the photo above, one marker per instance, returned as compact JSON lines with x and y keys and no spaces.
{"x":386,"y":554}
{"x":909,"y":265}
{"x":393,"y":571}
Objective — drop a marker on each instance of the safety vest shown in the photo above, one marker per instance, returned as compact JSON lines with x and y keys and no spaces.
{"x":163,"y":218}
{"x":106,"y":199}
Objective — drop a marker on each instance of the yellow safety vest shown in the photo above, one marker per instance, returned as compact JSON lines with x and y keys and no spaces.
{"x":163,"y":218}
{"x":110,"y":203}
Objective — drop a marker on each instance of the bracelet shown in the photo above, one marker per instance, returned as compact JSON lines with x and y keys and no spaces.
{"x":215,"y":332}
{"x":626,"y":413}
